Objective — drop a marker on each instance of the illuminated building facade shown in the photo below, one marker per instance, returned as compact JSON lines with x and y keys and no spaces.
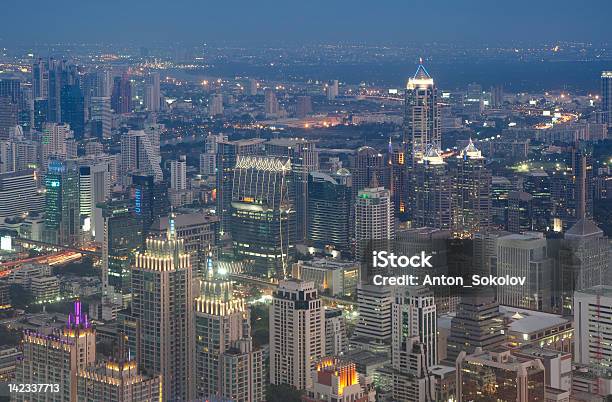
{"x":335,"y":380}
{"x":226,"y":156}
{"x":368,"y":168}
{"x":593,"y":322}
{"x":150,"y":200}
{"x":227,"y":365}
{"x":57,"y":358}
{"x":471,"y":193}
{"x":498,"y":375}
{"x":263,"y":213}
{"x":421,"y":115}
{"x":62,"y":210}
{"x":117,"y":382}
{"x":19,"y":194}
{"x":297,"y":333}
{"x":432,"y":192}
{"x":411,"y":378}
{"x":162,"y":306}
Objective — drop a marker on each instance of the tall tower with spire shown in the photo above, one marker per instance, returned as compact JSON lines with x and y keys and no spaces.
{"x":421,"y":114}
{"x":227,"y":364}
{"x":162,"y":306}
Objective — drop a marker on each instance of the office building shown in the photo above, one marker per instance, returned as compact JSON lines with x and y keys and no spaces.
{"x":94,"y":188}
{"x":227,"y":364}
{"x":368,"y":169}
{"x":593,"y":326}
{"x":606,"y":96}
{"x":57,"y":358}
{"x":421,"y":115}
{"x":584,"y":259}
{"x":520,"y":212}
{"x":263,"y":214}
{"x":62,"y":205}
{"x":337,"y":380}
{"x":162,"y":306}
{"x":150,"y":199}
{"x":8,"y":116}
{"x":471,"y":192}
{"x":304,"y":158}
{"x":178,"y":174}
{"x":538,"y":185}
{"x":296,"y":334}
{"x":227,"y":155}
{"x":374,"y":305}
{"x":121,"y":96}
{"x":432,"y":192}
{"x":330,"y":211}
{"x":477,"y":324}
{"x":497,"y":374}
{"x":100,"y":116}
{"x":525,"y":256}
{"x":20,"y":194}
{"x":73,"y":109}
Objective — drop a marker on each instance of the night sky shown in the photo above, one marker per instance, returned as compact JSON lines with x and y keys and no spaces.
{"x":303,"y":21}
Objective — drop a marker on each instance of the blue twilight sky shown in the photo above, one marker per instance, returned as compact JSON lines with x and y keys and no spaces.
{"x":376,"y":21}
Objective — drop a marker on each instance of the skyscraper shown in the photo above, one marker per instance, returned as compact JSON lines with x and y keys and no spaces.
{"x":215,"y":105}
{"x":414,"y":315}
{"x":140,"y":155}
{"x":57,"y":358}
{"x":227,"y":155}
{"x":152,"y":93}
{"x":368,"y":168}
{"x":57,"y":142}
{"x":178,"y":174}
{"x":584,"y":259}
{"x":432,"y":192}
{"x":227,"y":364}
{"x":100,"y":117}
{"x":62,"y":210}
{"x":8,"y":116}
{"x":374,"y":221}
{"x":263,"y":213}
{"x":304,"y":158}
{"x":330,"y":205}
{"x":121,"y":98}
{"x":150,"y":200}
{"x":606,"y":96}
{"x":375,"y":307}
{"x":162,"y":306}
{"x":271,"y":103}
{"x":20,"y":194}
{"x":477,"y":324}
{"x":421,"y":115}
{"x":296,"y":333}
{"x":73,"y":109}
{"x":471,"y":192}
{"x":525,"y":256}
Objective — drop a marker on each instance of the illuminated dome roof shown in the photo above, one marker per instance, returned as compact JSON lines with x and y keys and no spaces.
{"x":343,"y":172}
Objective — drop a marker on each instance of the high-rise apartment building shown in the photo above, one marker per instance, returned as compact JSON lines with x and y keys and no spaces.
{"x":162,"y":306}
{"x":374,"y":221}
{"x":57,"y":359}
{"x":272,"y":107}
{"x":121,"y":97}
{"x":296,"y":334}
{"x":152,"y":93}
{"x":593,"y":326}
{"x":178,"y":174}
{"x":215,"y":105}
{"x":227,"y":364}
{"x":20,"y":194}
